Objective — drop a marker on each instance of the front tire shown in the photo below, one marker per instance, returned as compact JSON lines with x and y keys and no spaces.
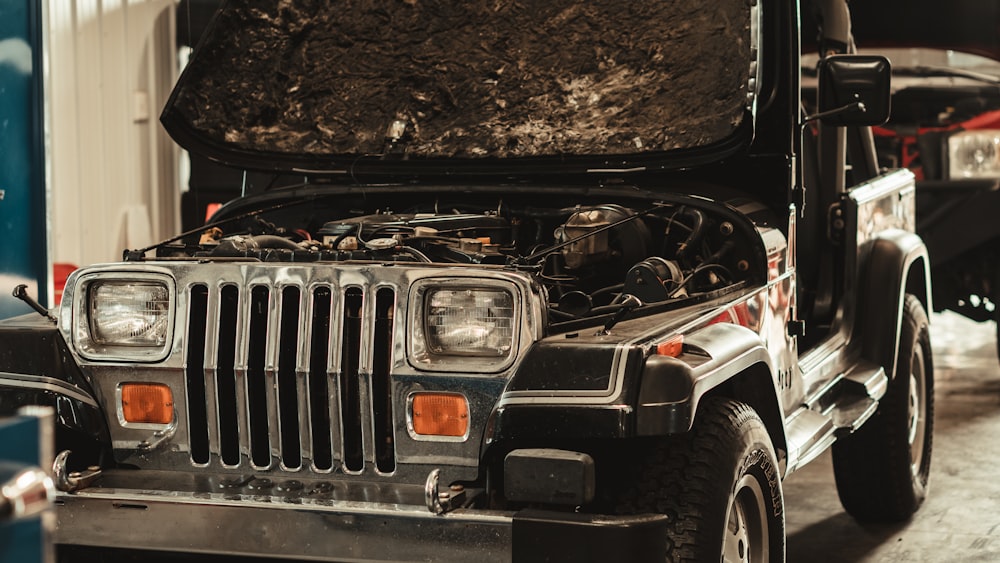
{"x":882,"y":469}
{"x":719,"y":485}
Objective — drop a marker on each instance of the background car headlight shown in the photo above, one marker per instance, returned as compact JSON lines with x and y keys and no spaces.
{"x":974,"y":154}
{"x":124,"y":319}
{"x":469,"y":322}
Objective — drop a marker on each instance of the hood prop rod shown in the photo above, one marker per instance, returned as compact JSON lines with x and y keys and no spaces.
{"x":21,"y":292}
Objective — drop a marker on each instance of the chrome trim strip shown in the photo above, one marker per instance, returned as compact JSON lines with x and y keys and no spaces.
{"x":241,"y":374}
{"x":338,"y":323}
{"x":334,"y":350}
{"x":46,"y":384}
{"x":272,"y":348}
{"x":756,"y":68}
{"x":211,"y":371}
{"x":303,"y":345}
{"x":366,"y":397}
{"x":365,"y":355}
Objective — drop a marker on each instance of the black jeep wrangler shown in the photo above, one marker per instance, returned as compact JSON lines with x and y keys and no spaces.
{"x":537,"y":280}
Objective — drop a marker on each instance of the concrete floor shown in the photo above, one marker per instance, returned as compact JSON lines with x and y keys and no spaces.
{"x":960,"y":520}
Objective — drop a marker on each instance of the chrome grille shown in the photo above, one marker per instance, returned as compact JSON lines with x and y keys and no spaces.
{"x":290,"y":378}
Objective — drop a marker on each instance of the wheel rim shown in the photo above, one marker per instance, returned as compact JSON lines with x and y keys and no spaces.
{"x":747,"y":533}
{"x":917,"y":411}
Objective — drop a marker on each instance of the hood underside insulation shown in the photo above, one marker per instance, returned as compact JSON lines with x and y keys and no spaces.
{"x":472,"y":79}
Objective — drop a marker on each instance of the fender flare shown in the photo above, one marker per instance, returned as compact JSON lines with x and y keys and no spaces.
{"x":671,"y":388}
{"x":37,"y":368}
{"x":897,"y":263}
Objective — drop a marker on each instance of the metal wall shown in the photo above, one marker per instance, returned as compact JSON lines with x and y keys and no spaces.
{"x":85,"y":168}
{"x":114,"y":183}
{"x":23,"y":239}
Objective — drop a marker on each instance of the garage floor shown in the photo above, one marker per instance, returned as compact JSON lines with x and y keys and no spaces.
{"x":960,"y":521}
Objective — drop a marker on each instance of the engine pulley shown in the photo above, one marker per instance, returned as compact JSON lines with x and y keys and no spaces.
{"x":654,"y":279}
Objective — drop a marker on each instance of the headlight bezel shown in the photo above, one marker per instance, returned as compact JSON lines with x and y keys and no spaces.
{"x":419,"y":351}
{"x":90,"y":346}
{"x":987,"y":139}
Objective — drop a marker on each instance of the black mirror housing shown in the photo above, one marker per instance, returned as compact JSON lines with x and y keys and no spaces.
{"x":854,"y":90}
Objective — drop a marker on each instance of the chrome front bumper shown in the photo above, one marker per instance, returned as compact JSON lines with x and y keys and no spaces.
{"x":327,"y":529}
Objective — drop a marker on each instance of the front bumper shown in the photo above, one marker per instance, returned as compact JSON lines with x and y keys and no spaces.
{"x":325,"y":528}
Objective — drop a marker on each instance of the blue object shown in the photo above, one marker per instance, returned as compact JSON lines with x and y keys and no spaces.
{"x":23,"y":246}
{"x":22,"y":541}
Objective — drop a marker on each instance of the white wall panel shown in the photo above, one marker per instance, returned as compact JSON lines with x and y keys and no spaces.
{"x":111,"y":64}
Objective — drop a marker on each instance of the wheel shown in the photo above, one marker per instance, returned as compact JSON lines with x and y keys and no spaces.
{"x":718,"y":484}
{"x":881,"y":470}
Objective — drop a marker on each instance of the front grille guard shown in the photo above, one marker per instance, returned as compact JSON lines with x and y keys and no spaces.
{"x":288,"y":411}
{"x":300,"y":370}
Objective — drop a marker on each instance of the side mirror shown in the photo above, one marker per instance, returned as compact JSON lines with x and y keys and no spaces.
{"x":854,"y":90}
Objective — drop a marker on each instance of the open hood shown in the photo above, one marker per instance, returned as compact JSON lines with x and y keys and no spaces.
{"x":316,"y":85}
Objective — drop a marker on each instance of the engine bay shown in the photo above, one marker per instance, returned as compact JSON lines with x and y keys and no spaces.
{"x":591,"y":258}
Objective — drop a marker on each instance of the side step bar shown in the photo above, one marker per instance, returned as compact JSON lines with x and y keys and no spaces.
{"x":838,"y":409}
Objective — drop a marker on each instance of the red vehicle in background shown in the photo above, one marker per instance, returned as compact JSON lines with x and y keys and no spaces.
{"x":945,"y":127}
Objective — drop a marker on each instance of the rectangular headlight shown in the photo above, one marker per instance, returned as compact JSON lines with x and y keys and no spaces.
{"x":469,"y":322}
{"x":129,"y":314}
{"x":461,"y":327}
{"x":974,"y":154}
{"x":124,"y":319}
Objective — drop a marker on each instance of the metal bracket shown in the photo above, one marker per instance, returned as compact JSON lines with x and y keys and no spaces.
{"x":68,"y":481}
{"x":21,"y":292}
{"x":431,"y":493}
{"x":836,"y":223}
{"x":439,"y":502}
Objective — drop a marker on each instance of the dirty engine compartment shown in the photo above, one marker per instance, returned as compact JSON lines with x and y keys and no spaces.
{"x":592,"y":259}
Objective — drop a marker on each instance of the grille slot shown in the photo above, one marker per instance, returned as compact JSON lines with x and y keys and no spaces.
{"x":195,"y":376}
{"x":288,"y":394}
{"x":261,"y":389}
{"x":381,"y":363}
{"x":260,"y":451}
{"x":350,"y":388}
{"x":225,"y":377}
{"x":319,"y":387}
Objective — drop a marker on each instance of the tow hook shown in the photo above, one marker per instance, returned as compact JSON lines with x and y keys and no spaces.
{"x":69,"y":481}
{"x":438,"y":501}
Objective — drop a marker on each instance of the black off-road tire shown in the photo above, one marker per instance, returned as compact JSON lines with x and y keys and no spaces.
{"x":718,"y":484}
{"x":882,"y":469}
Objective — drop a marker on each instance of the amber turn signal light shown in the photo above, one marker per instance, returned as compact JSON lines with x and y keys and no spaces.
{"x":150,"y":403}
{"x":440,"y":414}
{"x":672,"y":347}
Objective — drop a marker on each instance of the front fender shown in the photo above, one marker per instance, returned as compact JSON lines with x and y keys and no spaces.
{"x":659,"y":395}
{"x":567,"y":389}
{"x":36,"y":368}
{"x":671,"y":388}
{"x":897,"y":264}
